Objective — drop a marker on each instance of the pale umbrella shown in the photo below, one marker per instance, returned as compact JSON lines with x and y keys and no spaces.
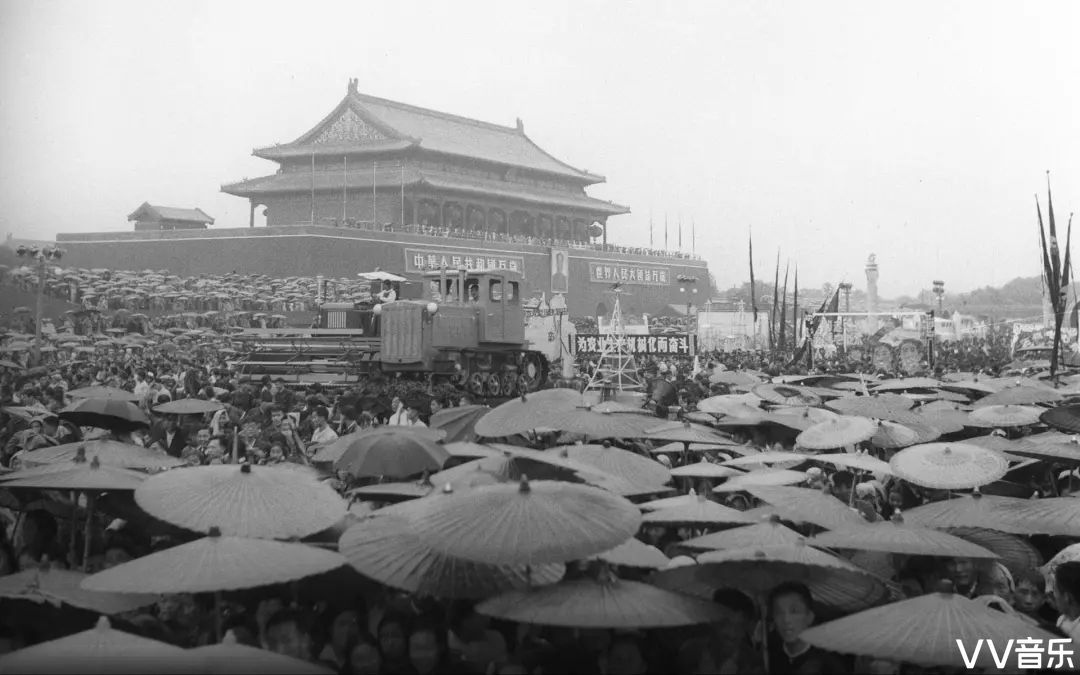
{"x":705,"y":469}
{"x":949,"y":466}
{"x":1022,"y":395}
{"x":188,"y":406}
{"x":976,"y":510}
{"x":764,"y":477}
{"x":271,"y":502}
{"x":617,"y":462}
{"x":100,"y":650}
{"x":541,"y":522}
{"x":859,"y":461}
{"x":926,"y":630}
{"x":893,"y":435}
{"x":757,"y":570}
{"x":46,"y":584}
{"x":771,"y":532}
{"x":103,"y":392}
{"x":1004,"y":416}
{"x":809,"y":506}
{"x":215,"y":563}
{"x":837,"y":433}
{"x":895,"y":536}
{"x":635,"y":553}
{"x":701,"y":512}
{"x":770,"y":457}
{"x":1055,"y":516}
{"x":608,"y":602}
{"x":459,"y":423}
{"x":232,"y":658}
{"x":385,"y":547}
{"x":879,"y":406}
{"x":786,"y":394}
{"x":108,"y":452}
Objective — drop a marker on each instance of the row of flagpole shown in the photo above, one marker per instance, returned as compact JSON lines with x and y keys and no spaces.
{"x":693,"y":233}
{"x":374,"y":185}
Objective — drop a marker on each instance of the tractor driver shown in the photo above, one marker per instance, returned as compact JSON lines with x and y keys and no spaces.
{"x":387,"y":294}
{"x":474,"y":293}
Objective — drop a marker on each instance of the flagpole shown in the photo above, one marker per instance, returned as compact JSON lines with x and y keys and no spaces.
{"x":402,"y":193}
{"x":374,"y":219}
{"x":665,"y":232}
{"x":312,"y":187}
{"x":345,"y":193}
{"x":693,"y":236}
{"x":680,"y":230}
{"x":650,"y":229}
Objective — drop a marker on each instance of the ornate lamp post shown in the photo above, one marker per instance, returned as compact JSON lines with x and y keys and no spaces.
{"x":558,"y":307}
{"x":42,"y":254}
{"x":939,"y":291}
{"x":689,"y":291}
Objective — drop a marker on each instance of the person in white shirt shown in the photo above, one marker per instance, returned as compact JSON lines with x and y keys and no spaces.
{"x":400,"y":415}
{"x":323,"y":433}
{"x":387,"y":294}
{"x":412,"y":416}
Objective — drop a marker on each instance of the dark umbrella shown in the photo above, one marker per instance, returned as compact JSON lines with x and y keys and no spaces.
{"x":106,"y":413}
{"x":459,"y":423}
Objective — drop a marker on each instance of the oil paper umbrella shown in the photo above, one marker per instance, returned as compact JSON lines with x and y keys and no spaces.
{"x":266,"y":502}
{"x":942,"y":420}
{"x":857,"y":461}
{"x":705,"y":469}
{"x":799,"y":418}
{"x":1004,"y":416}
{"x":1063,"y":418}
{"x":757,"y":570}
{"x":215,"y":563}
{"x":513,"y":462}
{"x":879,"y":406}
{"x":188,"y":406}
{"x":635,"y":553}
{"x":459,"y":423}
{"x":108,"y":452}
{"x":232,"y":658}
{"x":975,"y":510}
{"x":393,"y":451}
{"x":670,"y":502}
{"x":926,"y":631}
{"x":387,"y":549}
{"x":949,"y":466}
{"x":735,"y":378}
{"x":46,"y":584}
{"x":78,"y":475}
{"x":906,"y":383}
{"x":617,"y":462}
{"x":106,"y":413}
{"x":1022,"y":395}
{"x":768,"y":458}
{"x":471,"y":450}
{"x":560,"y":409}
{"x":1016,"y":552}
{"x":763,"y":477}
{"x":99,"y":650}
{"x":527,"y":524}
{"x":698,"y":513}
{"x":896,"y":536}
{"x":1055,"y":516}
{"x":686,"y":433}
{"x":838,"y":433}
{"x":604,"y":602}
{"x":770,"y":532}
{"x":806,"y":505}
{"x":786,"y":394}
{"x":893,"y":435}
{"x":730,"y":404}
{"x":103,"y":392}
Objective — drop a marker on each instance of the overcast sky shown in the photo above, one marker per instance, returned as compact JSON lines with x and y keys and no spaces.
{"x":919,"y":131}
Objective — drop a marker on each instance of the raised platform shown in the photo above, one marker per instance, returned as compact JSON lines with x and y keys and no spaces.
{"x":309,"y":250}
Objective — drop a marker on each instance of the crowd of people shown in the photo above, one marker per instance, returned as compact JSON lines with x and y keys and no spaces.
{"x":350,"y":624}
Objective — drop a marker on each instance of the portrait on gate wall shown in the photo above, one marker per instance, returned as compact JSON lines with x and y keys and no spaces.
{"x":560,"y":270}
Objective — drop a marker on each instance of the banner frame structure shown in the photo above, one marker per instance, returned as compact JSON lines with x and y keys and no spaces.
{"x":929,"y":315}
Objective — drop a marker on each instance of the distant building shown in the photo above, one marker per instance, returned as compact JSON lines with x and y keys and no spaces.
{"x":150,"y":217}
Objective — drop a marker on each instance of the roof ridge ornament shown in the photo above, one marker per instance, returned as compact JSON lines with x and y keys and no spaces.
{"x":520,"y":126}
{"x":354,"y":83}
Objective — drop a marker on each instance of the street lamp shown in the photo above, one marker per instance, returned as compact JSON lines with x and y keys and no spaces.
{"x":939,"y":291}
{"x":42,"y":254}
{"x":845,"y":288}
{"x":690,"y":293}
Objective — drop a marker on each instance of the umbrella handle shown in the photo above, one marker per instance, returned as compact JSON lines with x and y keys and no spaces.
{"x":91,"y":499}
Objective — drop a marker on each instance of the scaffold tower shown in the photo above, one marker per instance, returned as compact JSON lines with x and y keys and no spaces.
{"x":616,"y":369}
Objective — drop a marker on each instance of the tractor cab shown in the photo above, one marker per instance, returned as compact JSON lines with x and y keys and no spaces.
{"x":490,"y":298}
